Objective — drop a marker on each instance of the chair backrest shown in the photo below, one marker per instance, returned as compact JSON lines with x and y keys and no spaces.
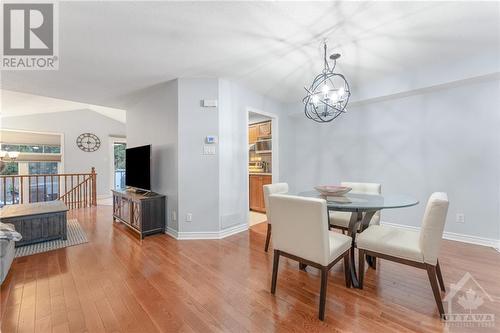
{"x":433,"y":223}
{"x":300,"y":227}
{"x":366,"y":188}
{"x":278,"y":188}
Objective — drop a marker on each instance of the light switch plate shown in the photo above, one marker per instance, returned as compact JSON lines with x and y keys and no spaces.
{"x":209,"y":103}
{"x":209,"y":150}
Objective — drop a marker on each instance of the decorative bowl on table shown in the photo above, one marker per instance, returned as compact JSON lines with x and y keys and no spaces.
{"x":332,"y":190}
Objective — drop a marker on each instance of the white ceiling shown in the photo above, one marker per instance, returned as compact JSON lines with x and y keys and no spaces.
{"x":20,"y":104}
{"x":256,"y":118}
{"x":109,"y":51}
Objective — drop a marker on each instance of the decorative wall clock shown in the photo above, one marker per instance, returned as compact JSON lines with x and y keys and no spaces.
{"x":88,"y":142}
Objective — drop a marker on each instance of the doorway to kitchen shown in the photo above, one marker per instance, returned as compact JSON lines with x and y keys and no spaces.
{"x":261,"y":161}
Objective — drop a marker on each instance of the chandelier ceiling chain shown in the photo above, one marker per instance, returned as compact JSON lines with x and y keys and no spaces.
{"x":329,"y":93}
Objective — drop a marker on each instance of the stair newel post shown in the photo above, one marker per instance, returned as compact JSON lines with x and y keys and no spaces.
{"x":94,"y":186}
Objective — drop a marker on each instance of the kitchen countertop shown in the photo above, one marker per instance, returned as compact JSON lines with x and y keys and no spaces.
{"x":261,"y":173}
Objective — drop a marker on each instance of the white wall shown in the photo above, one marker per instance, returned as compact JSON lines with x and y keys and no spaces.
{"x":443,"y":140}
{"x":152,"y":119}
{"x":170,"y":117}
{"x":72,"y":124}
{"x":213,"y":188}
{"x":428,"y":140}
{"x":234,"y":102}
{"x":198,"y":173}
{"x":441,"y":71}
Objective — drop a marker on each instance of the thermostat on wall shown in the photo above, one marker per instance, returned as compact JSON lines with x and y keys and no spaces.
{"x":211,"y":139}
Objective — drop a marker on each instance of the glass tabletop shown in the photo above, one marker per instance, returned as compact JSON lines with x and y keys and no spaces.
{"x":358,"y":202}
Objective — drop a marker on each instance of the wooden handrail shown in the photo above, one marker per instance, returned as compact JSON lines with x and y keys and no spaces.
{"x":75,"y":189}
{"x":47,"y":175}
{"x":66,"y":197}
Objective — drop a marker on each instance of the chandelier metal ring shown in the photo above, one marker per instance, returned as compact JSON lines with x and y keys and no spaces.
{"x":328,"y":95}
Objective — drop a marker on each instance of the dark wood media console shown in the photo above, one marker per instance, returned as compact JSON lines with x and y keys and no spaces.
{"x":143,"y":213}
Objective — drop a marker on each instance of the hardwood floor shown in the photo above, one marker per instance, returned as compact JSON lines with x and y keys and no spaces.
{"x":116,"y":283}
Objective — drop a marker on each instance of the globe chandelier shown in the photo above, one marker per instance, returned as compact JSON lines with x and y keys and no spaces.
{"x":329,"y":93}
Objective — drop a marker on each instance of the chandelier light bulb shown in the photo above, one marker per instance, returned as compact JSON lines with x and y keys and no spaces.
{"x":341,"y":92}
{"x":13,"y":154}
{"x":335,"y":97}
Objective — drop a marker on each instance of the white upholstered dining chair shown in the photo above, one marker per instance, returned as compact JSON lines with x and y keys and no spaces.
{"x":410,"y":247}
{"x":340,"y":220}
{"x":278,"y":188}
{"x":300,"y":232}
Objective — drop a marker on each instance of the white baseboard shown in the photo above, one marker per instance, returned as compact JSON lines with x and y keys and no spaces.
{"x":233,"y":230}
{"x":172,"y":232}
{"x":490,"y":242}
{"x":207,"y":234}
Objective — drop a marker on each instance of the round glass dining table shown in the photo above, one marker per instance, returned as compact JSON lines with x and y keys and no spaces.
{"x":362,"y":208}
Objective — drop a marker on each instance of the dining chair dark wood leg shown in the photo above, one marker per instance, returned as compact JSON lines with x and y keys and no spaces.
{"x":371,"y":261}
{"x":361,"y":269}
{"x":322,"y":293}
{"x":324,"y":270}
{"x":276,"y":261}
{"x":347,"y":272}
{"x":431,"y":272}
{"x":268,"y":236}
{"x":440,"y":277}
{"x":302,"y":266}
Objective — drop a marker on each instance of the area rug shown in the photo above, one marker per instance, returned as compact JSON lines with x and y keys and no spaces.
{"x":76,"y":236}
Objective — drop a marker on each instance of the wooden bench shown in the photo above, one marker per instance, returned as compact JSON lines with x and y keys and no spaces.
{"x":37,"y":222}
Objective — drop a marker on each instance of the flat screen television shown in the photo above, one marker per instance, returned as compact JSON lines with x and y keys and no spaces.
{"x":138,"y":167}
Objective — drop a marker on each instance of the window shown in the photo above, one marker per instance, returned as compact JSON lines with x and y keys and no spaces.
{"x":46,"y":188}
{"x":52,"y":149}
{"x":42,"y":168}
{"x":40,"y":149}
{"x":119,"y":164}
{"x":9,"y":188}
{"x":40,"y":189}
{"x":10,"y":168}
{"x":40,"y":154}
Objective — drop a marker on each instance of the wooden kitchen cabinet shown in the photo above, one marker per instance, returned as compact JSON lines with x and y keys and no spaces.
{"x":265,"y":129}
{"x":253,"y":133}
{"x":259,"y":130}
{"x":256,"y":190}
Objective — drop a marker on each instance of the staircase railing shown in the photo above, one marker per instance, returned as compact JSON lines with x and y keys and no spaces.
{"x":76,"y":190}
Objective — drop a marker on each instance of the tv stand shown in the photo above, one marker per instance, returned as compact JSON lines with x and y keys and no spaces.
{"x":144,"y":213}
{"x":138,"y":191}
